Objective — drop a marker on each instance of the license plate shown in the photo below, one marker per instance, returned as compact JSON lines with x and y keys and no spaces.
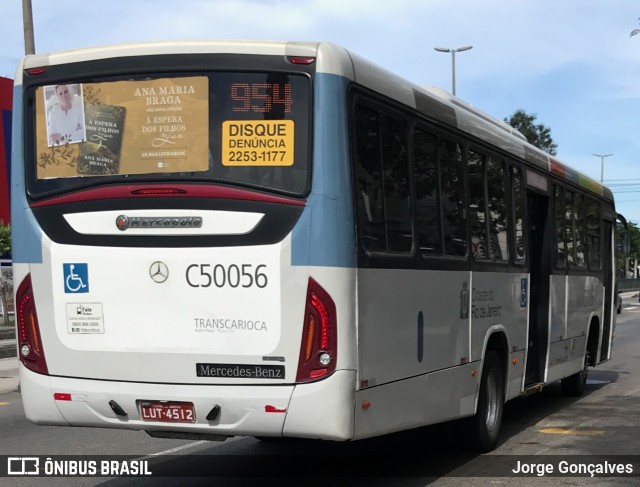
{"x":167,"y":411}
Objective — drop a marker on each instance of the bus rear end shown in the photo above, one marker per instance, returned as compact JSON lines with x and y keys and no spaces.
{"x":163,"y":198}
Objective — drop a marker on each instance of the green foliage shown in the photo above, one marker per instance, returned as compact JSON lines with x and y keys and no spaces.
{"x":634,"y":238}
{"x":6,"y":285}
{"x":626,"y":262}
{"x":536,"y":134}
{"x":5,"y":239}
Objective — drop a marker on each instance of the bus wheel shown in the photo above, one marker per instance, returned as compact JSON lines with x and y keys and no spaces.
{"x":484,"y":427}
{"x":575,"y":384}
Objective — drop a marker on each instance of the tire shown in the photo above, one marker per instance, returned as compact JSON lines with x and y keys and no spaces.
{"x":483,"y":429}
{"x":574,"y":385}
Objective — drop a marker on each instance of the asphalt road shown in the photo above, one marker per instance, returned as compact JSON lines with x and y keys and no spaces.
{"x":545,"y":429}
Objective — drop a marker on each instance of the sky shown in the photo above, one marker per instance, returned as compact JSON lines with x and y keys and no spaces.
{"x":572,"y":63}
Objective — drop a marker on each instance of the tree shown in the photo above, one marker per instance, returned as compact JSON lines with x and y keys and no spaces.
{"x":536,"y":134}
{"x":627,"y":263}
{"x":5,"y":238}
{"x":6,"y":282}
{"x":634,"y":238}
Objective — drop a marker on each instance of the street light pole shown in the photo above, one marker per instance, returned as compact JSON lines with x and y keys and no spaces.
{"x":27,"y":20}
{"x":453,"y":62}
{"x":602,"y":156}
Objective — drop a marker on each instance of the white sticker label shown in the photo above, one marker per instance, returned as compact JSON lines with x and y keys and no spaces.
{"x":85,"y":318}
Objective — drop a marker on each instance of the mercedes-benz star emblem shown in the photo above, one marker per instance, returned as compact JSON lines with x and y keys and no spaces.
{"x":122,"y":222}
{"x":159,"y":272}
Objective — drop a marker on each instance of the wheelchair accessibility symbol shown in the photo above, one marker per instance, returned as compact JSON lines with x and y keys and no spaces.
{"x":76,"y":278}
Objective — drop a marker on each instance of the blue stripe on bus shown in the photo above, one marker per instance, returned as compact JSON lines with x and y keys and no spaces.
{"x":26,"y":237}
{"x":325,"y":233}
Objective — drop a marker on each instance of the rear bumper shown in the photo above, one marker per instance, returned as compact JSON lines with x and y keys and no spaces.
{"x":322,"y":410}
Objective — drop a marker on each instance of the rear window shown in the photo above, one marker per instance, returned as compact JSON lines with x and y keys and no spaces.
{"x":245,"y":128}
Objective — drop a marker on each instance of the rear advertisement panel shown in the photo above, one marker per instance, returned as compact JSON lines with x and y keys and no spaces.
{"x":122,"y":127}
{"x":245,"y":128}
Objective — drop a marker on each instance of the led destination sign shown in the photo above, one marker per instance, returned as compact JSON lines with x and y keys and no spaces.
{"x":261,"y":97}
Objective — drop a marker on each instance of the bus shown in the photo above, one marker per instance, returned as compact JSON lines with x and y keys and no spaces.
{"x":285,"y":240}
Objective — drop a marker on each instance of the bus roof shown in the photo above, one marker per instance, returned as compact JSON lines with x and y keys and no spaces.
{"x":452,"y":111}
{"x":435,"y":103}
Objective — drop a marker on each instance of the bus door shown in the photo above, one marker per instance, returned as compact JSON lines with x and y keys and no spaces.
{"x":539,"y":258}
{"x":607,"y":268}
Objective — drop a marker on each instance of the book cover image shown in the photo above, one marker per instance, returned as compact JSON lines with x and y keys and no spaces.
{"x":100,"y":154}
{"x":64,"y":114}
{"x":145,"y":126}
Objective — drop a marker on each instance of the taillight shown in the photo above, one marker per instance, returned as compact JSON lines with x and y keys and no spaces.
{"x":158,"y":191}
{"x":318,"y":351}
{"x":35,"y":71}
{"x":29,"y":342}
{"x":301,"y":59}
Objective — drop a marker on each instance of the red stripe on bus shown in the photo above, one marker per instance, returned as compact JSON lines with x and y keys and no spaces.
{"x":558,"y":168}
{"x":164,"y":191}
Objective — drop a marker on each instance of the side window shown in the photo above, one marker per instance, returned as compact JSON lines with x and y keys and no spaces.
{"x":487,"y":208}
{"x":579,"y":239}
{"x":427,"y":201}
{"x":569,"y":240}
{"x":382,"y":172}
{"x":368,"y":162}
{"x":397,"y":195}
{"x":497,"y":210}
{"x":452,"y":198}
{"x":477,"y":210}
{"x":518,"y":215}
{"x":558,"y":204}
{"x":594,"y":251}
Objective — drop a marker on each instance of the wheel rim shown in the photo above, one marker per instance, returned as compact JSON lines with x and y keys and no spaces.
{"x":492,"y":402}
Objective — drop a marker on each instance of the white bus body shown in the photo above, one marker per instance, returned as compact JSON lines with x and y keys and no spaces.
{"x":180,"y":301}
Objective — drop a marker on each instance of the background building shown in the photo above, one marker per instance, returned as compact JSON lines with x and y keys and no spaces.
{"x":6,"y":97}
